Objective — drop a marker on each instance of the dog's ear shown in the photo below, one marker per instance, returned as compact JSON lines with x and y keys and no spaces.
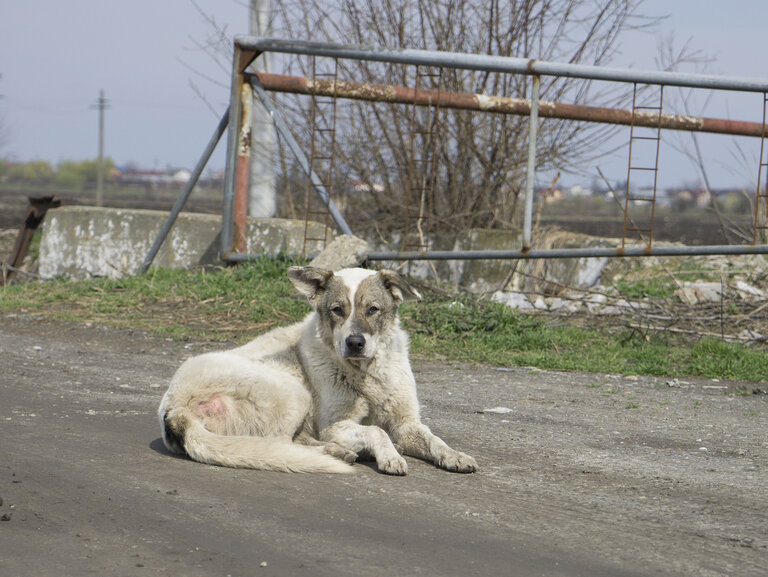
{"x":398,"y":287}
{"x":308,"y":280}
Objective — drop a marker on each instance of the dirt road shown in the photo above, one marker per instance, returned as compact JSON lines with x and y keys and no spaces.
{"x":581,"y":474}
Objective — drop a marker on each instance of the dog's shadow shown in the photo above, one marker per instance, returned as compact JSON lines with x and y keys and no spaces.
{"x":159,"y":447}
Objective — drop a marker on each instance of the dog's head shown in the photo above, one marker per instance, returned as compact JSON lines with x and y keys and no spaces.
{"x":357,"y":308}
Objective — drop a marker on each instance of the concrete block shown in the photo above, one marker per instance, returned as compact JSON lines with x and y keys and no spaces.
{"x":487,"y":276}
{"x":81,"y":242}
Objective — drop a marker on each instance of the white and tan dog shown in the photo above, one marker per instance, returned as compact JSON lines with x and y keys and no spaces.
{"x":311,"y":396}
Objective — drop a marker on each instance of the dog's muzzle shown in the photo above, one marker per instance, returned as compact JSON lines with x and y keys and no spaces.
{"x":355,"y":345}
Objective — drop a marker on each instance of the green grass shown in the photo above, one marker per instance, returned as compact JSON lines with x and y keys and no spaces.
{"x":236,"y":302}
{"x":239,"y":302}
{"x":662,"y":287}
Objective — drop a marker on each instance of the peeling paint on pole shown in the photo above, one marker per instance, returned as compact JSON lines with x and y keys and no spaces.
{"x":243,"y":168}
{"x":504,"y":105}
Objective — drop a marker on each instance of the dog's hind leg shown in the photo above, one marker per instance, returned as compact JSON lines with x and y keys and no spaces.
{"x":328,"y":448}
{"x":200,"y":443}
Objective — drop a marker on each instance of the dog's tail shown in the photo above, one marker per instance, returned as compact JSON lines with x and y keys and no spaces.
{"x":183,"y":433}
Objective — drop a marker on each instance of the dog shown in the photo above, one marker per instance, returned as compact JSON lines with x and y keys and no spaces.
{"x":313,"y":396}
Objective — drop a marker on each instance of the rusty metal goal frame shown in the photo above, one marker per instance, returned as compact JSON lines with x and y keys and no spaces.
{"x":243,"y":82}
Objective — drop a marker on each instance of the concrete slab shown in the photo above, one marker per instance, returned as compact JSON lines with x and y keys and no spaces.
{"x":83,"y":241}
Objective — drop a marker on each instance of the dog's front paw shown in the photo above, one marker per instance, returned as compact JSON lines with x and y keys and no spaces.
{"x":392,"y":465}
{"x":457,"y":462}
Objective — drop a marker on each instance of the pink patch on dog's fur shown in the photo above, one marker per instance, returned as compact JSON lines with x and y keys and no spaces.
{"x":214,"y":407}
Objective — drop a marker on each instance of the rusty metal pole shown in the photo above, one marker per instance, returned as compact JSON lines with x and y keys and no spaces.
{"x":241,"y":59}
{"x":36,"y":210}
{"x":242,"y":176}
{"x":505,"y":105}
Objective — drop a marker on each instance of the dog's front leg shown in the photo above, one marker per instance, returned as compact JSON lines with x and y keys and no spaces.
{"x":357,"y":438}
{"x":416,"y":440}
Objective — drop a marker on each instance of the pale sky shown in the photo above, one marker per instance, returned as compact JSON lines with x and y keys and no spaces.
{"x":56,"y":55}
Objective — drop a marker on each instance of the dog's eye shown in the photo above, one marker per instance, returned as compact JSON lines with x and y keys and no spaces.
{"x":338,"y":311}
{"x":372,"y":310}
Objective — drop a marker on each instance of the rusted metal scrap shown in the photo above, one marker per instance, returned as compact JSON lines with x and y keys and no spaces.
{"x":504,"y":105}
{"x":38,"y":206}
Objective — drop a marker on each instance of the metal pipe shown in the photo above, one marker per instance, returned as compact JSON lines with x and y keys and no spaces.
{"x":243,"y":169}
{"x":188,"y":187}
{"x":290,"y":141}
{"x":531,"y":168}
{"x":594,"y":252}
{"x":239,"y":59}
{"x":503,"y":105}
{"x":499,"y":64}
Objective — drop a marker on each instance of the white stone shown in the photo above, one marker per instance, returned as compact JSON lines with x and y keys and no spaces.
{"x":539,"y":304}
{"x":513,"y":300}
{"x":749,"y":290}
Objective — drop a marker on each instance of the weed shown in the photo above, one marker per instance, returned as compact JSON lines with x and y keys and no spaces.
{"x":660,"y":287}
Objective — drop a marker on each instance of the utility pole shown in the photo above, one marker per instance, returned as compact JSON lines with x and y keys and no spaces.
{"x":101,"y":105}
{"x":262,"y":202}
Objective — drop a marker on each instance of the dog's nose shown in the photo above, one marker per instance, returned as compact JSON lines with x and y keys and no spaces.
{"x":355,"y":343}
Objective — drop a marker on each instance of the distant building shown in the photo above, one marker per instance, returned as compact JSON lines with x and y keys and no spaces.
{"x":703,"y":198}
{"x":156,"y":177}
{"x":579,"y":191}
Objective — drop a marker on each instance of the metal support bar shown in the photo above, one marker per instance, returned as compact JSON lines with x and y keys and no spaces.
{"x":593,"y":252}
{"x":760,"y":215}
{"x":282,"y":129}
{"x":181,"y":201}
{"x":531,"y":169}
{"x":499,"y":64}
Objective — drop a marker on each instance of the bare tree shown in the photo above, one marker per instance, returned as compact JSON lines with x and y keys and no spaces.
{"x":478,"y":167}
{"x":474,"y":161}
